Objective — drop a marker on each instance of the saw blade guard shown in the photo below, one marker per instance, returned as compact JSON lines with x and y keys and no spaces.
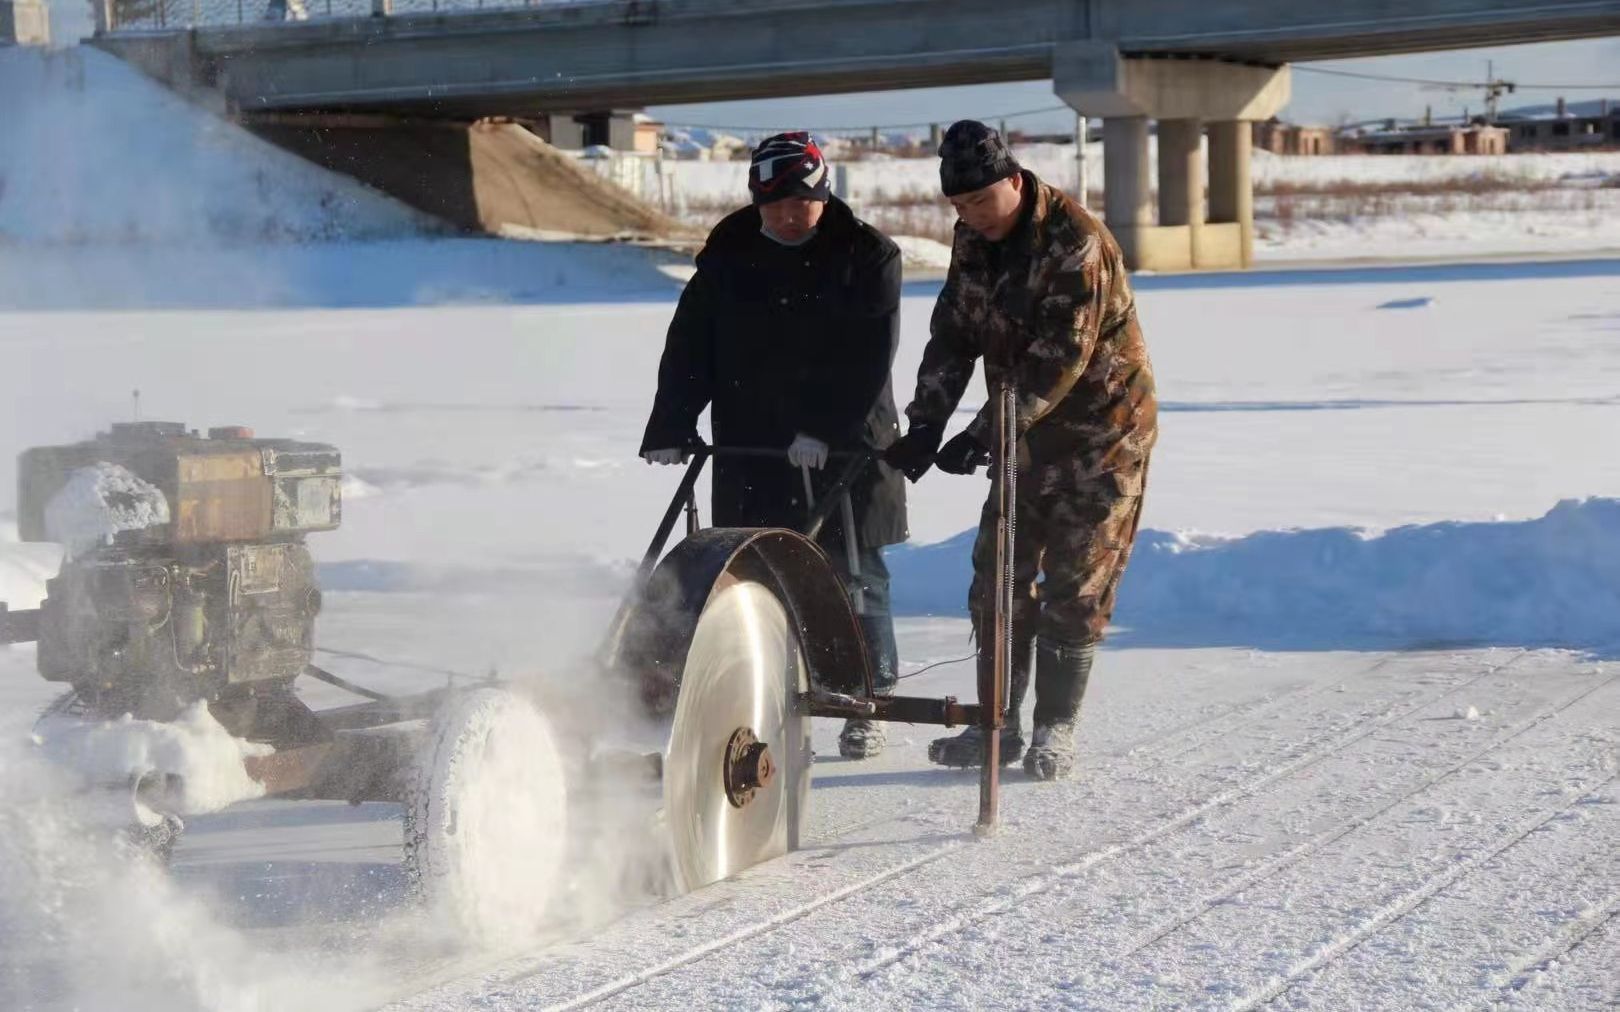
{"x":725,"y":643}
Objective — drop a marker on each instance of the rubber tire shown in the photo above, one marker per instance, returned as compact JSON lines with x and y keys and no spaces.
{"x":486,"y":816}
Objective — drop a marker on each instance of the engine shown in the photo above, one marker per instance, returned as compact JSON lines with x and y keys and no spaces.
{"x":186,"y":576}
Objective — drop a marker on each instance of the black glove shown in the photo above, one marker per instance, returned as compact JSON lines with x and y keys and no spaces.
{"x":913,"y":453}
{"x":962,"y":455}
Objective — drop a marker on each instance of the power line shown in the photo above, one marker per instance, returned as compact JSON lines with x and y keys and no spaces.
{"x":1389,"y":78}
{"x":1567,"y":87}
{"x":1427,"y":82}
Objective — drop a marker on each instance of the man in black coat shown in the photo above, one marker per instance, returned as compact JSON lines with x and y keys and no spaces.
{"x":786,"y":333}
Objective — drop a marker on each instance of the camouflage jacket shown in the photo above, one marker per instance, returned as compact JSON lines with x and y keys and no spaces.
{"x":1050,"y":309}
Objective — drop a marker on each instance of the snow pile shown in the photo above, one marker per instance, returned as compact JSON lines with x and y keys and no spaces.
{"x":1537,"y":167}
{"x":93,"y":152}
{"x":876,"y":181}
{"x":921,"y":251}
{"x":195,"y":747}
{"x":24,"y":569}
{"x":86,"y":922}
{"x":98,"y":502}
{"x":1552,"y":581}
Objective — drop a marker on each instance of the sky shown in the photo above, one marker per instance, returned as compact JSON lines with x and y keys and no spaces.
{"x":1318,"y":98}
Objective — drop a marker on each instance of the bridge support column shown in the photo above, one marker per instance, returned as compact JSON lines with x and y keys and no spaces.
{"x":24,"y":23}
{"x":1182,"y":95}
{"x":1127,"y":194}
{"x":1181,"y":183}
{"x":1231,"y":195}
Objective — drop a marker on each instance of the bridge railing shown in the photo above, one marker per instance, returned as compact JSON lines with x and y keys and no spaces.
{"x":170,"y":15}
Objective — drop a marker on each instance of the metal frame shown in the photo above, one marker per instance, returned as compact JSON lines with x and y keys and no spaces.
{"x":359,"y":753}
{"x":349,"y":753}
{"x":652,"y":631}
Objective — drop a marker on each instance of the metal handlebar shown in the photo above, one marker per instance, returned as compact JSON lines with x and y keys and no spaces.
{"x":835,"y":498}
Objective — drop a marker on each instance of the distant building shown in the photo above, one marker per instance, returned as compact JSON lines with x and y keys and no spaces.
{"x":1596,"y":126}
{"x":1473,"y":139}
{"x":1281,"y":138}
{"x":623,"y":130}
{"x":24,"y":23}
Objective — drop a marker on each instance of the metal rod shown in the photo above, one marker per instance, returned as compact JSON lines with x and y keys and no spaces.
{"x":946,"y":712}
{"x":858,"y":462}
{"x":852,"y":555}
{"x":393,"y":711}
{"x":694,"y":523}
{"x":778,"y":453}
{"x":990,"y":716}
{"x":323,"y":675}
{"x":683,"y":495}
{"x":683,"y":499}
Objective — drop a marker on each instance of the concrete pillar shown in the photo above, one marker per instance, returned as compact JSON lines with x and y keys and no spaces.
{"x":1231,"y":198}
{"x":1126,"y":193}
{"x":1181,"y":177}
{"x":24,"y":23}
{"x":1093,"y":75}
{"x":1082,"y":179}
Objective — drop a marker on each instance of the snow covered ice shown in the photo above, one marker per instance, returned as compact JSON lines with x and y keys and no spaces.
{"x":1354,"y":744}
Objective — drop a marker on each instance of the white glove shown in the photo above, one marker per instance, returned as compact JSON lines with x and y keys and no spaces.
{"x":807,"y":451}
{"x":673,"y":456}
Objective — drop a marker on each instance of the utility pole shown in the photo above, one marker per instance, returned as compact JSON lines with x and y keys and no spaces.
{"x":1495,"y":88}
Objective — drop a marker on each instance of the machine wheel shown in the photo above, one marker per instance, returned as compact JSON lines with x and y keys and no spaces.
{"x":737,"y":765}
{"x":486,"y":815}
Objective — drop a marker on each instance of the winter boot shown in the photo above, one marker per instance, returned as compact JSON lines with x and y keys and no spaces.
{"x":1061,"y":673}
{"x":861,"y":738}
{"x":966,"y":749}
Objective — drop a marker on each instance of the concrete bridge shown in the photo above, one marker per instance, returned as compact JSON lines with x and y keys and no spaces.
{"x":1192,"y":65}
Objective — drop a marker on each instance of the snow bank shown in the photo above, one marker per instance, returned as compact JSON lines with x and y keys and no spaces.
{"x":93,"y":152}
{"x":196,"y":748}
{"x":711,"y":184}
{"x":923,"y":252}
{"x":1552,"y":581}
{"x":395,"y":272}
{"x":1536,"y":167}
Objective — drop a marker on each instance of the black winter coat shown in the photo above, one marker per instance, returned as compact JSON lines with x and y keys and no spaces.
{"x":779,"y":340}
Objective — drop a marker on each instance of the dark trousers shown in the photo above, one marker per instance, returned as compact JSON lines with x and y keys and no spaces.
{"x":876,"y":618}
{"x":1076,"y":538}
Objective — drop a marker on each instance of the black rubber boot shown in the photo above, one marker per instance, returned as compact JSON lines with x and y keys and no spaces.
{"x":966,"y":749}
{"x":1062,"y":671}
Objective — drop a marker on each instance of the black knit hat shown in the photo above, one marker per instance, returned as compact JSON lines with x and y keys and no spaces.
{"x":788,"y":165}
{"x":972,"y":156}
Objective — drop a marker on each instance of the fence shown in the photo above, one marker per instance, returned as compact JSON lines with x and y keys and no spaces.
{"x":158,"y":15}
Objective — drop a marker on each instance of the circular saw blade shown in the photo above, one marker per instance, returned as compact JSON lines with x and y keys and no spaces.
{"x":745,"y":669}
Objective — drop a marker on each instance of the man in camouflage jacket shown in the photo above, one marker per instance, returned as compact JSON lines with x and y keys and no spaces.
{"x":1037,"y":288}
